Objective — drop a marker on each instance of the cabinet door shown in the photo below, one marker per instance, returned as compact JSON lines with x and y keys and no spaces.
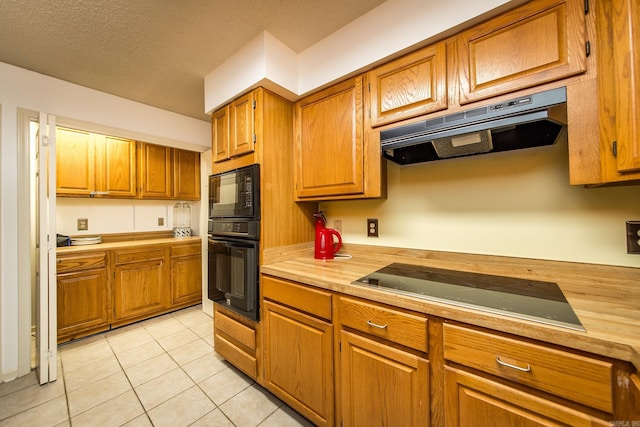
{"x":115,"y":166}
{"x":83,"y":303}
{"x":298,"y":361}
{"x":186,"y":174}
{"x":220,"y":135}
{"x":140,"y":288}
{"x":154,"y":171}
{"x":413,"y":85}
{"x":329,"y":144}
{"x":541,"y":41}
{"x":471,"y":400}
{"x":186,"y":279}
{"x":242,"y":126}
{"x":382,"y":385}
{"x":75,"y":157}
{"x":626,"y":51}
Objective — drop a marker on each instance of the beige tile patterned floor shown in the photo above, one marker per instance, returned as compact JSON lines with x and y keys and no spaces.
{"x":160,"y":372}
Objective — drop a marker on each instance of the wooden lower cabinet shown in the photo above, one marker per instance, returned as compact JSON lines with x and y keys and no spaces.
{"x":83,"y":295}
{"x":236,"y":339}
{"x":186,"y":274}
{"x":298,"y":364}
{"x":473,"y":400}
{"x":99,"y":289}
{"x":382,"y":385}
{"x":141,"y":285}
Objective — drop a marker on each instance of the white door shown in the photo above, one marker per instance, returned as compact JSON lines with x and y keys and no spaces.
{"x":46,"y":304}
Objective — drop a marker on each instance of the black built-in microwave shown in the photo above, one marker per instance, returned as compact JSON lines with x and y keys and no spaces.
{"x":235,"y":194}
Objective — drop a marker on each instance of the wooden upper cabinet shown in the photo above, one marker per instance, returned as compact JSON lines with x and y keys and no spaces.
{"x":186,"y":174}
{"x":115,"y":166}
{"x":220,"y":134}
{"x":410,"y":86}
{"x":75,"y":157}
{"x":154,"y":171}
{"x":242,"y":125}
{"x":233,"y":128}
{"x":89,"y":164}
{"x":539,"y":42}
{"x":329,"y":142}
{"x":625,"y":44}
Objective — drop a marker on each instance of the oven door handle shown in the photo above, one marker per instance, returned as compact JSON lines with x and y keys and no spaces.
{"x":236,"y":244}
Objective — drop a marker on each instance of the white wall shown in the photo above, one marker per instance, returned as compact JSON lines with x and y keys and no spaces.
{"x":516,"y":203}
{"x":118,"y":216}
{"x":20,"y":88}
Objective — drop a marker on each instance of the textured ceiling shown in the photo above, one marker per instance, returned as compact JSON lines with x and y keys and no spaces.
{"x":156,"y":52}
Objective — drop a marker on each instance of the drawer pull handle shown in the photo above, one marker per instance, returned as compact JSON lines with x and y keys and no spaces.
{"x":370,"y":323}
{"x":509,"y":365}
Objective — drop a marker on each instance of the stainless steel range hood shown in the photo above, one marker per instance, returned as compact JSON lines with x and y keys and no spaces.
{"x":524,"y":122}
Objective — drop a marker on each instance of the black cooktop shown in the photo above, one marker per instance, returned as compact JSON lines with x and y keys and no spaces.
{"x":525,"y":299}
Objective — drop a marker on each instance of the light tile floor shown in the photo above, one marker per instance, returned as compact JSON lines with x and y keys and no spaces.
{"x":159,"y":372}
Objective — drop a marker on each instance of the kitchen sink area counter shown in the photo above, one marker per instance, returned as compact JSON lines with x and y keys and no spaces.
{"x":604,"y":298}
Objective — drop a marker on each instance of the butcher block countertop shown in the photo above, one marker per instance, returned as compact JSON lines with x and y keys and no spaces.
{"x":126,"y":244}
{"x":606,"y":299}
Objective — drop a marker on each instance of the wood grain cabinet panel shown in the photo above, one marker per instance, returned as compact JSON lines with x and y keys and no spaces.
{"x":626,"y":49}
{"x":618,"y":89}
{"x":186,"y":174}
{"x":298,"y":364}
{"x":234,"y":128}
{"x":475,"y":401}
{"x":242,"y":125}
{"x":154,"y":171}
{"x":75,"y":158}
{"x":141,"y":286}
{"x":220,"y":134}
{"x":413,"y":85}
{"x":90,"y":164}
{"x":402,"y":328}
{"x":83,"y":295}
{"x":329,"y":144}
{"x":381,"y":384}
{"x":236,"y":339}
{"x":568,"y":375}
{"x":186,"y":274}
{"x":539,"y":42}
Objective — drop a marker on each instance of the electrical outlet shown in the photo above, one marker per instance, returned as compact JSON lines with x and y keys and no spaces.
{"x":633,"y":237}
{"x":160,"y":222}
{"x":372,"y":227}
{"x":337,"y":225}
{"x":83,"y":224}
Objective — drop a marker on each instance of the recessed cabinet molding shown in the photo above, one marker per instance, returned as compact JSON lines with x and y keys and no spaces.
{"x":539,"y":42}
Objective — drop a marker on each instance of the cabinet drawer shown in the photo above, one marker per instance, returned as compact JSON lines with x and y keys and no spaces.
{"x":236,"y":356}
{"x":81,"y":262}
{"x":571,"y":376}
{"x":313,"y":301}
{"x":396,"y":326}
{"x":138,"y":255}
{"x":184,"y":250}
{"x":242,"y":334}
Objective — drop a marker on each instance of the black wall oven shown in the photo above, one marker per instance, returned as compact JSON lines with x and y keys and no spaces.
{"x":233,"y":240}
